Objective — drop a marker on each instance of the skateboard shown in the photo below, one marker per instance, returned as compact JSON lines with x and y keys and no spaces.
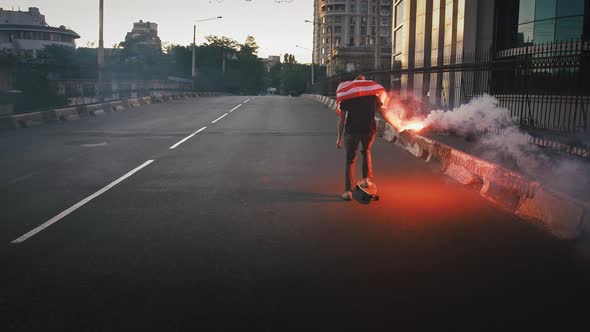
{"x":370,"y":193}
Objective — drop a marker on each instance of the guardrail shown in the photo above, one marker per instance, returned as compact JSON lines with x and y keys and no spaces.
{"x":72,"y":113}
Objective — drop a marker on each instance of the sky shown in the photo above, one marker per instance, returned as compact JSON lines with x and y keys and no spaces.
{"x":277,"y":27}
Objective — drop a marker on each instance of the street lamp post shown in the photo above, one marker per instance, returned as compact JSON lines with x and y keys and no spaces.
{"x":331,"y":42}
{"x":194,"y":68}
{"x":100,"y":60}
{"x":312,"y":64}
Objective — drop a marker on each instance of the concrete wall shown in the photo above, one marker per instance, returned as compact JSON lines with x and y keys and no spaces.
{"x":85,"y":91}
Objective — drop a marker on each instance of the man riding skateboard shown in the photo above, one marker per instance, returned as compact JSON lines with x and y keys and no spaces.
{"x":359,"y":101}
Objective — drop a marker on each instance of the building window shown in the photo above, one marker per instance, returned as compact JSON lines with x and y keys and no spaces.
{"x":351,"y":41}
{"x":545,"y":9}
{"x":399,"y":13}
{"x":542,"y":21}
{"x":570,"y":8}
{"x":337,"y":29}
{"x":338,"y":19}
{"x":569,"y":28}
{"x":398,"y":40}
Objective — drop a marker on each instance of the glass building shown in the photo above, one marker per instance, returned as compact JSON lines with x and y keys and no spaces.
{"x":542,"y":21}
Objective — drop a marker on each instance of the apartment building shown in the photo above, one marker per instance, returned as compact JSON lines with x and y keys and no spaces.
{"x":345,"y":34}
{"x":27,"y":32}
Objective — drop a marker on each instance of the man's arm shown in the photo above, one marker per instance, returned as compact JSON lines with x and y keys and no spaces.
{"x":389,"y":118}
{"x":341,"y":123}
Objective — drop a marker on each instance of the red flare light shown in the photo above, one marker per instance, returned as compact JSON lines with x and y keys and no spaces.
{"x":416,"y":126}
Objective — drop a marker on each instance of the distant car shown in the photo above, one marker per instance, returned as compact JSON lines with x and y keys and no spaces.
{"x":294,"y":94}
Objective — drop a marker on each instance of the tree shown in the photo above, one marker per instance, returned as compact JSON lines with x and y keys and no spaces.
{"x":252,"y":69}
{"x":250,"y":46}
{"x":294,"y":76}
{"x":221,"y":41}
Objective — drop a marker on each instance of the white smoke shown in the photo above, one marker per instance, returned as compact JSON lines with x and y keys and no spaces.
{"x":512,"y":148}
{"x":481,"y":113}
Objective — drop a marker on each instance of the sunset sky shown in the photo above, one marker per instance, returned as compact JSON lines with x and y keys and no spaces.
{"x":277,"y":27}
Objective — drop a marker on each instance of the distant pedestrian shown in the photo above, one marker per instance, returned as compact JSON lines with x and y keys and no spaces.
{"x":359,"y":100}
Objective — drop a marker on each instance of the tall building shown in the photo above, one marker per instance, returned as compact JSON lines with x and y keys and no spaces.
{"x":144,"y":34}
{"x":28,"y":32}
{"x":271,"y":61}
{"x":429,"y":33}
{"x":345,"y":31}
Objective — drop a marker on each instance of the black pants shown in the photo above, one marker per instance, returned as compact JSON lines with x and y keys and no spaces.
{"x":351,"y":144}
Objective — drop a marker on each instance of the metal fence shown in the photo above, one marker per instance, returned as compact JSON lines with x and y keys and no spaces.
{"x":544,"y":86}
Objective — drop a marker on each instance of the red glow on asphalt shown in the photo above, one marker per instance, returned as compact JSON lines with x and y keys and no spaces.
{"x":419,"y":199}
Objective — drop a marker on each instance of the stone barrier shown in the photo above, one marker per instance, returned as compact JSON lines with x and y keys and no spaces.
{"x":76,"y":112}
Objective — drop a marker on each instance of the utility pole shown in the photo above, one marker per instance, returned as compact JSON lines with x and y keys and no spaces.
{"x":312,"y":65}
{"x":100,"y":50}
{"x":223,"y":60}
{"x":318,"y":25}
{"x":377,"y":35}
{"x":331,"y":49}
{"x":312,"y":61}
{"x":194,"y":69}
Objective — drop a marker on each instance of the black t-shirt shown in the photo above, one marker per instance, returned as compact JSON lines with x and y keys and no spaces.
{"x":361,"y":114}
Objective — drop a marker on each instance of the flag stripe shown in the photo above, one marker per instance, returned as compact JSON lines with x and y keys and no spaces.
{"x":361,"y":91}
{"x":344,"y":87}
{"x":347,"y":83}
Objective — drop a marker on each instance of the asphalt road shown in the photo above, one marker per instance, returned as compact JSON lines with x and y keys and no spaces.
{"x":240,"y":227}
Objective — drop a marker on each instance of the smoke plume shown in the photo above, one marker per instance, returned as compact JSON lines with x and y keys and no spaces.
{"x":512,"y":147}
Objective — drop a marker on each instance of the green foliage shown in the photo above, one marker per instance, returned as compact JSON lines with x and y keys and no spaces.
{"x":295,"y":78}
{"x":222,"y":41}
{"x":222,"y":63}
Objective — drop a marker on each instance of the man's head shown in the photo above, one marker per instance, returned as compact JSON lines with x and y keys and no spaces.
{"x":360,"y":77}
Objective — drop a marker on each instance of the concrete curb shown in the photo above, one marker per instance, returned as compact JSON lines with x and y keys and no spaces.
{"x":73,"y":113}
{"x":563,"y":216}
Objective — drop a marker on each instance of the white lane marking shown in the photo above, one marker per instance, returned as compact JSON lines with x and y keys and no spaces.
{"x":235,"y":108}
{"x":22,"y":178}
{"x":247,"y":100}
{"x":187,"y":138}
{"x":219,"y":118}
{"x":93,"y":145}
{"x":78,"y":205}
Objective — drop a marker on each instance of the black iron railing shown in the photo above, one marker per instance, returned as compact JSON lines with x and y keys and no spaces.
{"x":544,"y":86}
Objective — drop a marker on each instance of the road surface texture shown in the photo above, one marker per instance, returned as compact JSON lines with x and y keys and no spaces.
{"x":240,"y":227}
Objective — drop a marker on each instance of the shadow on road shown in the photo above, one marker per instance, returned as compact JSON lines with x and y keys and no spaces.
{"x":296,"y":196}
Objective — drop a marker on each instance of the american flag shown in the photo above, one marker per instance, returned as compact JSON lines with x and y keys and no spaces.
{"x":359,"y":88}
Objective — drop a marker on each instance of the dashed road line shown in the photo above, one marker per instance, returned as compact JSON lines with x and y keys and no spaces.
{"x":219,"y":118}
{"x":187,"y":138}
{"x":235,"y":108}
{"x":79,"y":204}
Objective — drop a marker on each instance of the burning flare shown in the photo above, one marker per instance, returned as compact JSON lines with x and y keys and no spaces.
{"x":402,"y":117}
{"x":416,"y":126}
